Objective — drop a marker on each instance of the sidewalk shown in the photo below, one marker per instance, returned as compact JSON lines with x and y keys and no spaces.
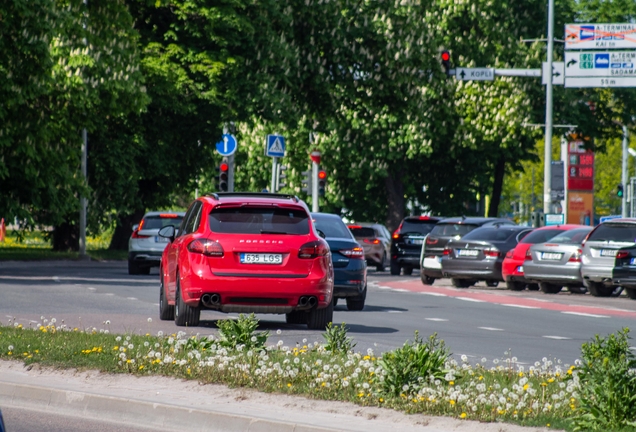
{"x":177,"y":405}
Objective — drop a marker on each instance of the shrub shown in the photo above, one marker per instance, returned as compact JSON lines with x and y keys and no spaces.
{"x":607,"y":384}
{"x":241,"y":332}
{"x":407,"y":367}
{"x":337,"y":340}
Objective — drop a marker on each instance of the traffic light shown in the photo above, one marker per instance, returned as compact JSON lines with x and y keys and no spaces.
{"x":322,"y":182}
{"x":281,"y":177}
{"x":223,"y":175}
{"x":619,"y":191}
{"x":306,"y":182}
{"x":446,"y":61}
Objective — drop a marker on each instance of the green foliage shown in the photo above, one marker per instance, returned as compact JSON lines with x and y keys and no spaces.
{"x":608,"y":384}
{"x":241,"y":331}
{"x":336,"y":339}
{"x":406,"y":368}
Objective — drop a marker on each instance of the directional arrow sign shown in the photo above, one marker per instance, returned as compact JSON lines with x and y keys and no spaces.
{"x":475,"y":74}
{"x":227,"y":146}
{"x":558,"y":73}
{"x":600,"y":36}
{"x":600,"y":69}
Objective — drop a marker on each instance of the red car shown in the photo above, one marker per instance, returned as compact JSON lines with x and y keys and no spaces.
{"x":246,"y":252}
{"x":512,"y":268}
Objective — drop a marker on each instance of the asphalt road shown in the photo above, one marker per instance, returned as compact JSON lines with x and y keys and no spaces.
{"x":479,"y":322}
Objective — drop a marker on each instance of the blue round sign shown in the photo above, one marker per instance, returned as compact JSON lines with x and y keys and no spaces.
{"x":227,"y":146}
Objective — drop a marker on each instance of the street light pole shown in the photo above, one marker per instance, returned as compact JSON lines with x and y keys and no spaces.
{"x":624,"y":173}
{"x":547,"y":163}
{"x":83,"y":200}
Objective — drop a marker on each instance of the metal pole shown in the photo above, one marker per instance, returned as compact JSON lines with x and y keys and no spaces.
{"x":83,"y":201}
{"x":624,"y":175}
{"x":564,"y":158}
{"x":273,"y":183}
{"x":230,"y":173}
{"x":548,"y":113}
{"x":314,"y":187}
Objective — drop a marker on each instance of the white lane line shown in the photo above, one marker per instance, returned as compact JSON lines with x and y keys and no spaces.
{"x":631,"y":348}
{"x":131,"y":298}
{"x":383,"y":287}
{"x":109,"y":294}
{"x":585,"y":314}
{"x":434,"y":294}
{"x":436,"y":319}
{"x":557,"y":337}
{"x":519,"y":306}
{"x":491,"y":329}
{"x":400,"y":290}
{"x":394,"y":311}
{"x":470,"y":299}
{"x":70,"y":278}
{"x":55,"y":278}
{"x":91,"y":289}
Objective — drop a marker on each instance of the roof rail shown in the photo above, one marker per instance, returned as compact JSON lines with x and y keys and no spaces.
{"x":218,"y":195}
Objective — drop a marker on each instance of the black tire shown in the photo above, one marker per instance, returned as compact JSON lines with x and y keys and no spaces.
{"x":296,"y":317}
{"x":335,"y":301}
{"x":515,"y":285}
{"x":166,"y":311}
{"x":357,"y":303}
{"x":185,"y":315}
{"x":144,"y":270}
{"x":631,"y":293}
{"x":492,"y":283}
{"x":597,"y":289}
{"x":317,"y":319}
{"x":533,"y":287}
{"x":408,"y":271}
{"x":395,"y":269}
{"x":549,"y":288}
{"x":461,"y":283}
{"x":133,"y":268}
{"x":426,"y":280}
{"x":576,"y":289}
{"x":382,"y":265}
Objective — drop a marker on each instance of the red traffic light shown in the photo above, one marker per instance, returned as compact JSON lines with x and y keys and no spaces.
{"x":224,"y":166}
{"x":322,"y":175}
{"x":445,"y":56}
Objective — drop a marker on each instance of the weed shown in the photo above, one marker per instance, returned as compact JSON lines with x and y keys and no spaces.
{"x":241,"y":331}
{"x":337,"y":340}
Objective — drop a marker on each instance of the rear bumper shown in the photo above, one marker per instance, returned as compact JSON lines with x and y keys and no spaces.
{"x":567,"y":274}
{"x":624,"y":276}
{"x":596,"y":273}
{"x":407,"y":260}
{"x":480,"y":270}
{"x":145,"y":258}
{"x":432,"y":266}
{"x":350,"y":281}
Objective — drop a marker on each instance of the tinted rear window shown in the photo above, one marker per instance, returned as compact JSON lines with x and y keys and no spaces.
{"x":415,"y":226}
{"x":490,"y":234}
{"x":575,"y":236}
{"x":158,"y":222}
{"x":614,"y":232}
{"x":452,"y":230}
{"x":362,"y":232}
{"x":332,"y":227}
{"x":541,"y":236}
{"x":256,"y":220}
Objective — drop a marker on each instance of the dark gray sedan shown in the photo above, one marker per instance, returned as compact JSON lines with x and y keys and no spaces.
{"x":479,"y":254}
{"x":557,"y":263}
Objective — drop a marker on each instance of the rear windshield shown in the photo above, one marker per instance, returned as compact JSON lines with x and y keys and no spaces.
{"x":256,"y":220}
{"x":540,"y":236}
{"x":575,"y":236}
{"x":415,"y":226}
{"x":452,"y":230}
{"x":490,"y":234}
{"x":158,"y":222}
{"x":362,"y":232}
{"x":614,"y":232}
{"x":332,"y":227}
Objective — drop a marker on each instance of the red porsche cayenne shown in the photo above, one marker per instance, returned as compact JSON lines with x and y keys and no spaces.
{"x":246,"y":252}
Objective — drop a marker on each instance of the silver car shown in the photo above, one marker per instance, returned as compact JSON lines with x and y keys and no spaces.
{"x":145,"y":245}
{"x":599,"y":253}
{"x":558,"y":262}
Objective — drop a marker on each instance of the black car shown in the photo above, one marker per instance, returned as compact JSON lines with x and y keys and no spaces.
{"x":624,"y":271}
{"x":478,"y":255}
{"x":406,"y":243}
{"x":442,"y":233}
{"x":349,"y":265}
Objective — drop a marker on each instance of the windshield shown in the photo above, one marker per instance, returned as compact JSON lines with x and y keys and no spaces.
{"x":362,"y":232}
{"x":575,"y":236}
{"x":540,"y":236}
{"x":158,"y":222}
{"x":417,"y":227}
{"x":452,"y":230}
{"x":332,"y":227}
{"x":490,"y":234}
{"x":615,"y":233}
{"x":256,"y":220}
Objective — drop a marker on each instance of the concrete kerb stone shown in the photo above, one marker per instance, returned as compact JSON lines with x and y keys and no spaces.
{"x":136,"y":412}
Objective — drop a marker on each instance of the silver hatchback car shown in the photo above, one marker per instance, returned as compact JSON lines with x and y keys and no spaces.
{"x":599,"y":254}
{"x":145,"y":245}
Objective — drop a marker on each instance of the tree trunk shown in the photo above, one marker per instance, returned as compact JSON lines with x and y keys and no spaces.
{"x":123,"y":230}
{"x":396,"y":204}
{"x":65,"y":237}
{"x":497,"y":187}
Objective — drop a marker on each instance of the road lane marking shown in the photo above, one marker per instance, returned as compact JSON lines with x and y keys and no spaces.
{"x":434,"y":294}
{"x":394,"y":311}
{"x":71,"y":278}
{"x":436,"y":319}
{"x":91,"y":289}
{"x":585,"y":314}
{"x":557,"y":337}
{"x":131,"y":298}
{"x":519,"y":306}
{"x":55,"y":278}
{"x":470,"y":299}
{"x":109,"y":293}
{"x":491,"y":329}
{"x":400,"y":290}
{"x":384,"y":287}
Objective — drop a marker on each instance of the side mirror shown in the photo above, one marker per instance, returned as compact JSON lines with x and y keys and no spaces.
{"x":168,"y":232}
{"x":135,"y":226}
{"x":321,"y":234}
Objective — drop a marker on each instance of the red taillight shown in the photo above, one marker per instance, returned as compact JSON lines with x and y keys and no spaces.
{"x":141,"y":224}
{"x":313,"y":249}
{"x":354,"y":253}
{"x":168,"y":215}
{"x":431,"y":241}
{"x":510,"y":253}
{"x":355,"y":226}
{"x":136,"y":234}
{"x":576,"y":256}
{"x":206,"y":247}
{"x":446,"y":251}
{"x":528,"y":256}
{"x":622,"y":254}
{"x":371,"y":241}
{"x":424,"y":218}
{"x":395,"y":234}
{"x":491,"y":253}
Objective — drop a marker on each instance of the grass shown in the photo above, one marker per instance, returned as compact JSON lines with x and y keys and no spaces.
{"x":540,"y":395}
{"x":32,"y":246}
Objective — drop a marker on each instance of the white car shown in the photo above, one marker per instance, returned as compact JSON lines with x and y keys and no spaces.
{"x":145,"y":245}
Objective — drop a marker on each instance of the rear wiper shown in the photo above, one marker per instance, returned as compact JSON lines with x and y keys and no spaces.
{"x":273,"y":232}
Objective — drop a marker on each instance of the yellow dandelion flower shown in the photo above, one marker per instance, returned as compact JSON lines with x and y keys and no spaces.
{"x":572,"y":400}
{"x":452,"y":402}
{"x":451,"y":382}
{"x":569,"y":371}
{"x":481,"y":378}
{"x":551,"y":380}
{"x":10,"y":353}
{"x":188,"y":371}
{"x":462,"y":415}
{"x":520,"y":374}
{"x":360,"y":394}
{"x":323,"y":384}
{"x":115,"y":348}
{"x":19,"y":326}
{"x":366,"y":357}
{"x":288,"y":384}
{"x":128,"y":361}
{"x":526,"y":387}
{"x":381,"y":400}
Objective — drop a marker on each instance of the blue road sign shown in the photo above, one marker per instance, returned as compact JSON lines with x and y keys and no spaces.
{"x":610,"y":217}
{"x":227,"y":146}
{"x":275,"y":146}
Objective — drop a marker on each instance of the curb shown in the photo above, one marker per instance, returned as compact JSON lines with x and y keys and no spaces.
{"x":138,"y":413}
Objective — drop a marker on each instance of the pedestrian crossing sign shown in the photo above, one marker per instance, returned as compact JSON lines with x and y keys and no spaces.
{"x":275,"y":146}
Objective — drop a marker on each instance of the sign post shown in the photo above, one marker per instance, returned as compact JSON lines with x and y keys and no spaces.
{"x":315,"y":165}
{"x":227,"y":147}
{"x":275,"y":148}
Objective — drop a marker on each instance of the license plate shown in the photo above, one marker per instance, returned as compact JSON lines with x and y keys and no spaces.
{"x":159,"y":239}
{"x":520,"y":269}
{"x":551,"y":256}
{"x":414,"y":241}
{"x":254,"y":258}
{"x":632,"y":261}
{"x":468,"y":252}
{"x":609,"y":252}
